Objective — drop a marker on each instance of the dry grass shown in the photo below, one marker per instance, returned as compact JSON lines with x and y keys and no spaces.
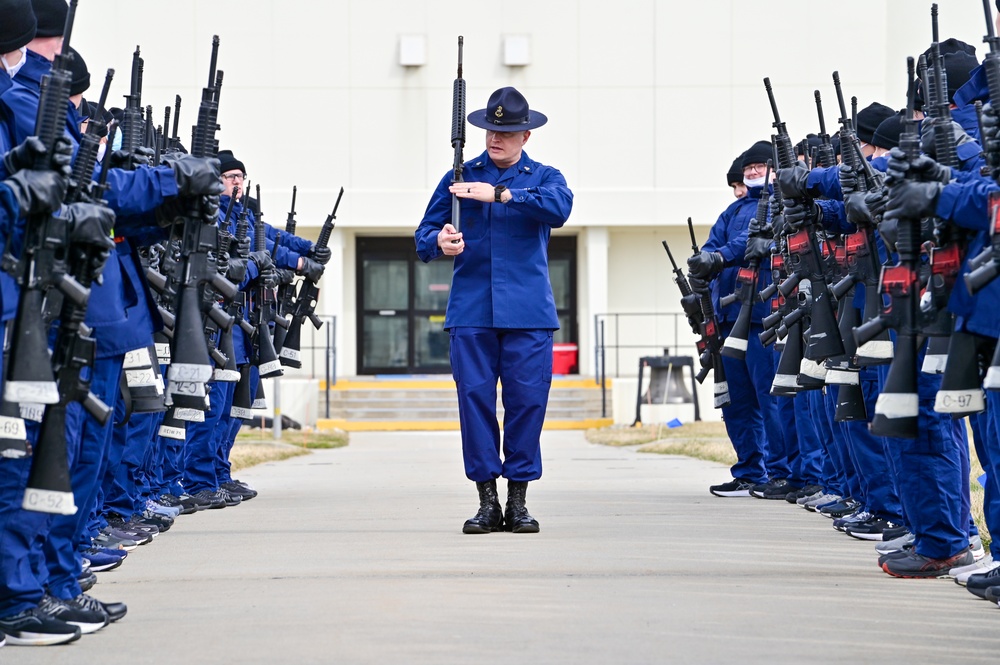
{"x":709,"y":441}
{"x":256,"y":446}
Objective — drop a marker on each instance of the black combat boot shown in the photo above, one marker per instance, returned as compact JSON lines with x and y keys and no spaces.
{"x":490,"y":517}
{"x":516,"y":516}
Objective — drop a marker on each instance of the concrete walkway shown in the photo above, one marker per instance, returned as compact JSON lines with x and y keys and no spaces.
{"x":356,"y":555}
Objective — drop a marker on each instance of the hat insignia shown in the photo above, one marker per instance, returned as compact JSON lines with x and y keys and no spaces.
{"x":499,"y":112}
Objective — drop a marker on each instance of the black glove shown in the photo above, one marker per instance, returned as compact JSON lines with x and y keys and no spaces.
{"x":130,"y":161}
{"x":889,"y":230}
{"x":195,"y":176}
{"x":25,"y":155}
{"x":758,"y":248}
{"x":923,"y":168}
{"x":243,"y":246}
{"x":848,"y":180}
{"x":698,"y":285}
{"x":222,"y":262}
{"x":209,"y":207}
{"x":991,"y":136}
{"x":801,"y":213}
{"x":237,"y":270}
{"x":691,"y":304}
{"x":90,"y":224}
{"x":285,"y":276}
{"x":876,"y":200}
{"x":270,"y":279}
{"x":910,"y":200}
{"x":856,"y":209}
{"x":927,"y":136}
{"x":321,"y":255}
{"x":263,"y":260}
{"x":778,"y":226}
{"x":792,"y":181}
{"x":310,"y":269}
{"x":706,"y":264}
{"x":37,"y":192}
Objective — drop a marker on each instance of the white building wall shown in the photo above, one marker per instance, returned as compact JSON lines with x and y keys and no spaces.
{"x":649,"y":102}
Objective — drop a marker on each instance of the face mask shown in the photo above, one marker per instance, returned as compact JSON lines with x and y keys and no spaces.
{"x":754,"y":182}
{"x":118,"y":141}
{"x":100,"y":152}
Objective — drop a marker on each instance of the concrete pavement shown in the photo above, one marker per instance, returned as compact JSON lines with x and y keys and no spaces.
{"x":356,"y":555}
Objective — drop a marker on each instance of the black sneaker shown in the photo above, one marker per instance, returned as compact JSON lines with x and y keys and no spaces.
{"x":88,"y":621}
{"x":871,"y":529}
{"x":977,"y":584}
{"x":34,"y":628}
{"x":759,"y":489}
{"x":230,"y":498}
{"x":114,"y":611}
{"x":780,"y":490}
{"x":211,"y":499}
{"x":808,"y":490}
{"x":149,"y":518}
{"x":893,"y":532}
{"x":842,"y":508}
{"x":187,"y":503}
{"x":132,"y":527}
{"x":915,"y":565}
{"x":87,"y":581}
{"x":732,"y":488}
{"x":234,"y":487}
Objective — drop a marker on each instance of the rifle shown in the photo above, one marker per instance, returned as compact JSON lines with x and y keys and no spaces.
{"x":803,"y":261}
{"x":133,"y":126}
{"x":709,"y":330}
{"x":457,"y":136}
{"x":263,"y":312}
{"x":747,"y":282}
{"x":825,"y":156}
{"x":897,"y":408}
{"x":287,"y":287}
{"x":190,"y":366}
{"x":307,"y":299}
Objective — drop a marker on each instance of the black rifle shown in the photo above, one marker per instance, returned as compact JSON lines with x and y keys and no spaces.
{"x":804,"y":261}
{"x":307,"y":299}
{"x":712,"y":338}
{"x":133,"y":126}
{"x":190,"y":366}
{"x":287,"y":287}
{"x":263,"y":312}
{"x":897,"y":409}
{"x":825,"y":156}
{"x":457,"y":136}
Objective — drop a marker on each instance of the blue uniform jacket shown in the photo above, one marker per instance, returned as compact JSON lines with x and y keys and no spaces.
{"x":728,"y":237}
{"x":501,"y":279}
{"x":965,"y":203}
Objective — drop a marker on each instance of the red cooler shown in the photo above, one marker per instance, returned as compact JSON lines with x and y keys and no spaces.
{"x":563,"y":358}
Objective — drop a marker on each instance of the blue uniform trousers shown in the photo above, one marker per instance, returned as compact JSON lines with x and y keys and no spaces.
{"x":874,"y":471}
{"x":130,"y":443}
{"x":20,"y":588}
{"x":147,"y":477}
{"x":223,"y":444}
{"x":522,"y":361}
{"x":834,"y":436}
{"x":809,"y":462}
{"x":752,"y":416}
{"x":989,"y":458}
{"x":930,"y":473}
{"x":199,"y":444}
{"x":87,"y":443}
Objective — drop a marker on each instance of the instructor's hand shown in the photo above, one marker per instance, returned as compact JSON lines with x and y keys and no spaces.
{"x":450,"y":241}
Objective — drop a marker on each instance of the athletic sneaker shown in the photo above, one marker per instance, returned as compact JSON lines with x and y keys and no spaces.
{"x":87,"y":581}
{"x":113,"y":538}
{"x":160,"y":509}
{"x":897,"y":544}
{"x":187,"y":503}
{"x":963,"y":573}
{"x":732,"y":488}
{"x":976,"y":547}
{"x":231,"y":498}
{"x":809,"y":491}
{"x":88,"y":621}
{"x":913,"y":565}
{"x":976,"y":584}
{"x":857,"y":517}
{"x":893,"y":532}
{"x":870,"y":529}
{"x":114,"y":611}
{"x":103,"y":559}
{"x":760,"y":490}
{"x":239,"y":489}
{"x":842,"y":508}
{"x":993,"y":595}
{"x":34,"y":628}
{"x":210,"y":499}
{"x":822,"y":501}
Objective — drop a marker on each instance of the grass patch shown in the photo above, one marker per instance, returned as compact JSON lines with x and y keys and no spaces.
{"x":296,"y":437}
{"x":256,"y":446}
{"x":246,"y":454}
{"x":709,"y":441}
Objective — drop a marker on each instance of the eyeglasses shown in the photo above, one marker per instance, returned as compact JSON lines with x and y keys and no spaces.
{"x":234,"y":176}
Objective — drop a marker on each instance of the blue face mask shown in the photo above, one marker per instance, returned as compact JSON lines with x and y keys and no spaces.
{"x":118,"y":141}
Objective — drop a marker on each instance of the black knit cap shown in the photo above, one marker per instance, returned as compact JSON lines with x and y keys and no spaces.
{"x":51,"y":15}
{"x":869,"y":118}
{"x":735,"y":172}
{"x":887,"y":133}
{"x":958,"y":69}
{"x":81,"y":75}
{"x":950,"y":45}
{"x":228,"y":162}
{"x":18,"y":25}
{"x":758,"y":153}
{"x":812,"y":142}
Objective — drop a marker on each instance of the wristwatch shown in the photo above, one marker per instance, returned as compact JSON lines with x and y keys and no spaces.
{"x":497,"y":191}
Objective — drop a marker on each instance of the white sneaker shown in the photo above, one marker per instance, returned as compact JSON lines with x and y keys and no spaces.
{"x":976,"y":547}
{"x":896,"y":544}
{"x":963,"y":573}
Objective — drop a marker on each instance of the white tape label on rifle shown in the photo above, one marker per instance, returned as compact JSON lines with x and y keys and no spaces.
{"x":189,"y":372}
{"x":190,"y":415}
{"x":32,"y":412}
{"x":290,"y":354}
{"x":163,"y":353}
{"x":226,"y":375}
{"x":176,"y":433}
{"x":38,"y":392}
{"x":140,"y":378}
{"x":194,"y":388}
{"x":12,"y":428}
{"x":898,"y":405}
{"x":269,"y":368}
{"x":241,"y":413}
{"x":136,"y":359}
{"x":48,"y":501}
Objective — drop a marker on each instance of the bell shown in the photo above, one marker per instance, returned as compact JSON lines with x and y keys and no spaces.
{"x":667,"y":386}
